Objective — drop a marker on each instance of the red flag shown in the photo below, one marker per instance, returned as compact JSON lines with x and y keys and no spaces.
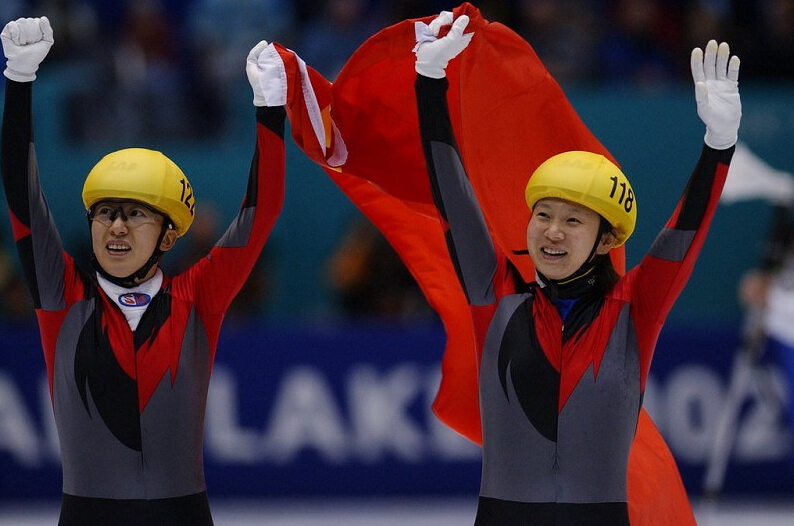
{"x":509,"y":115}
{"x":657,"y":496}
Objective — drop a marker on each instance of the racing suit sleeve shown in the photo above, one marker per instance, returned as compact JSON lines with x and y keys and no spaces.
{"x":218,"y":277}
{"x":469,"y":242}
{"x":38,"y":242}
{"x":664,"y":271}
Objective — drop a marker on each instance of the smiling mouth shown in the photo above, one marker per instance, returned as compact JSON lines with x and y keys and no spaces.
{"x":551,"y":252}
{"x":115,"y":248}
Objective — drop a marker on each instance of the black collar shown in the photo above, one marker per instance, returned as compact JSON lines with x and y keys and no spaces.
{"x":579,"y":284}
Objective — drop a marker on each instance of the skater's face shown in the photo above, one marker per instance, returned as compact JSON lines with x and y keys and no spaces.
{"x":561,"y":235}
{"x":124,"y":235}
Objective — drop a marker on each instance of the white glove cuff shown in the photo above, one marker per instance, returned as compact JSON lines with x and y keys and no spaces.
{"x":719,"y":142}
{"x":432,"y":71}
{"x":19,"y":77}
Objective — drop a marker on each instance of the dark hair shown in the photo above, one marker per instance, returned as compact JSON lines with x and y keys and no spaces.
{"x":606,"y":275}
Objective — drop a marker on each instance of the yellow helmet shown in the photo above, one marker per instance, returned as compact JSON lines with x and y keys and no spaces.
{"x":591,"y":180}
{"x":147,"y":176}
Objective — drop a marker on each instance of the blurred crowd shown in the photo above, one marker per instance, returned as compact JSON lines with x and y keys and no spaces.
{"x":596,"y":40}
{"x":178,"y":60}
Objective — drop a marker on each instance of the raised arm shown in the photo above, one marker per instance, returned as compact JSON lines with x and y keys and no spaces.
{"x":665,"y":270}
{"x":26,"y":42}
{"x":221,"y":275}
{"x":468,"y":240}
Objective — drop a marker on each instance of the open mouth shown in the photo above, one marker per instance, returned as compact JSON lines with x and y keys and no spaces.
{"x":117,"y":248}
{"x":552,"y":252}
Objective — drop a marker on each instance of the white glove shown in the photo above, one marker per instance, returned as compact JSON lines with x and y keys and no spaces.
{"x":717,"y":93}
{"x":267,"y":75}
{"x":26,"y":41}
{"x":433,"y":53}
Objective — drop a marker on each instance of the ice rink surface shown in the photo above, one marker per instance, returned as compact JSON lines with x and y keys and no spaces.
{"x":419,"y":511}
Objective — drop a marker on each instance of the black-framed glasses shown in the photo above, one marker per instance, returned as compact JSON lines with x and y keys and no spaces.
{"x":133,"y":214}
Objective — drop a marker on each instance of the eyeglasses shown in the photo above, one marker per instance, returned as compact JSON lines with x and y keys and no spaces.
{"x":133,"y":214}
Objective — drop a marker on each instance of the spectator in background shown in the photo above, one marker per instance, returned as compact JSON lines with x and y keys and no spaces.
{"x":147,"y":74}
{"x":198,"y":241}
{"x":218,"y":32}
{"x":370,"y":281}
{"x":394,"y":11}
{"x":702,"y":20}
{"x":147,"y":86}
{"x":204,"y":233}
{"x":767,"y":294}
{"x":78,"y":38}
{"x":770,"y":40}
{"x":641,"y":42}
{"x":329,"y":38}
{"x":565,"y":35}
{"x":495,"y":10}
{"x":767,"y":291}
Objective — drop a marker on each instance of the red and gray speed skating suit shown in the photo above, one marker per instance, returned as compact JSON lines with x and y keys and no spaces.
{"x":129,"y":405}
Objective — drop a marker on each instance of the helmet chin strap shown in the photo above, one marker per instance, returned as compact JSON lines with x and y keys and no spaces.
{"x":135,"y":278}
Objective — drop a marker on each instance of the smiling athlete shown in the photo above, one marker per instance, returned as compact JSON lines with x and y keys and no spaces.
{"x":564,"y":358}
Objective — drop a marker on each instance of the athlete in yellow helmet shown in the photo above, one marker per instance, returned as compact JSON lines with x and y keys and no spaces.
{"x":562,"y":361}
{"x":138,"y":203}
{"x":129,"y":350}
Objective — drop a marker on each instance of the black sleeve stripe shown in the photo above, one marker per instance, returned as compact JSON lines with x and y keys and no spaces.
{"x":17,"y":137}
{"x":698,"y":190}
{"x":272,"y":118}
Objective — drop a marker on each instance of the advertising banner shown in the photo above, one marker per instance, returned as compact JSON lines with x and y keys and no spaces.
{"x":343,"y":410}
